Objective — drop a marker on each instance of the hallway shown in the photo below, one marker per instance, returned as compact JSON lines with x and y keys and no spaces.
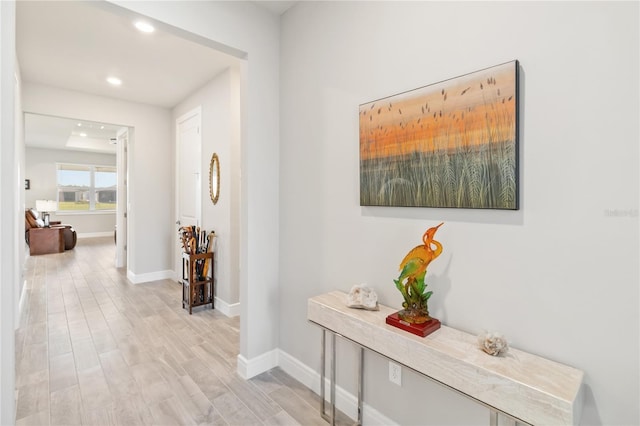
{"x":94,"y":349}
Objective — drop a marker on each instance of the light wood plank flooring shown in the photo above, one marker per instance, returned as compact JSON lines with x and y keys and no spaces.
{"x":93,"y":349}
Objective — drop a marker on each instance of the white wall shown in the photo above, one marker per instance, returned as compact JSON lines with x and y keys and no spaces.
{"x":559,"y":277}
{"x":151,"y":229}
{"x":248,"y":28}
{"x":216,"y":102}
{"x":8,"y":211}
{"x":20,"y":242}
{"x":42,"y":172}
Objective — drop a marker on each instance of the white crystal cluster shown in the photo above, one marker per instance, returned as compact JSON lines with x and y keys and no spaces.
{"x":493,"y":343}
{"x":362,"y":297}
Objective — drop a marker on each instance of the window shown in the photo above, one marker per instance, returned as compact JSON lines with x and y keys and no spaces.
{"x":86,"y":188}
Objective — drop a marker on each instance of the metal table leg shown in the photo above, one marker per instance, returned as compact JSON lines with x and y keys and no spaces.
{"x":331,"y":416}
{"x":360,"y":384}
{"x":322,"y":371}
{"x":333,"y":379}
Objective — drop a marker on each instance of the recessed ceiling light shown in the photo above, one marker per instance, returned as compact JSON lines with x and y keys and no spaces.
{"x":114,"y":81}
{"x":79,"y":124}
{"x":144,"y":27}
{"x":84,"y":135}
{"x":101,"y":127}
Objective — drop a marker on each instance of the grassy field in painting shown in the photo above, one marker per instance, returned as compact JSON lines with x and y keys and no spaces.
{"x":452,"y":144}
{"x":482,"y":177}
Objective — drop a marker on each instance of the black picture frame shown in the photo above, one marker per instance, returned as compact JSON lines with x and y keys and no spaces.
{"x":451,"y":144}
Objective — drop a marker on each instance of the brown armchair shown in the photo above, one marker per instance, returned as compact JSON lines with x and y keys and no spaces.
{"x":41,"y":240}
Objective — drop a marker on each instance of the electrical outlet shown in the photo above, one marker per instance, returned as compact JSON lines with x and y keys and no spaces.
{"x":395,"y":373}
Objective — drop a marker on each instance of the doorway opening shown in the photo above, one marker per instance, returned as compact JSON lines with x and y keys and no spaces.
{"x":80,"y":165}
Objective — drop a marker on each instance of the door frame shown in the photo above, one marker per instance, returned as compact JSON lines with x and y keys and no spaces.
{"x":122,"y":207}
{"x":195,"y":112}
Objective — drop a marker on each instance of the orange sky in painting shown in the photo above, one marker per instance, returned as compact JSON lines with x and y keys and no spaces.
{"x":466,"y":111}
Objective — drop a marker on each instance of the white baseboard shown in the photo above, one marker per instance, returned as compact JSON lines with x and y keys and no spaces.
{"x":345,"y":401}
{"x":95,"y":234}
{"x":229,"y":309}
{"x":150,"y":276}
{"x":248,"y":368}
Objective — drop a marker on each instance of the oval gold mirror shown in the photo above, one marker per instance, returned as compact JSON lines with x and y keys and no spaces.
{"x":214,"y":178}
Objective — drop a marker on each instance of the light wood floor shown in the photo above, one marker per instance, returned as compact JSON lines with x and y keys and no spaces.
{"x":94,"y":349}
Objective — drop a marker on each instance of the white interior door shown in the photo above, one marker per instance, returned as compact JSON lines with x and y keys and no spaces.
{"x":122,"y":205}
{"x":188,"y":174}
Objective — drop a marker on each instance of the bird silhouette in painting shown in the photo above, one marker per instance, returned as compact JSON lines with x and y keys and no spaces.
{"x":413,"y":269}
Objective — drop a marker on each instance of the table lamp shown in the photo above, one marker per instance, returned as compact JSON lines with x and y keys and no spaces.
{"x":45,"y":207}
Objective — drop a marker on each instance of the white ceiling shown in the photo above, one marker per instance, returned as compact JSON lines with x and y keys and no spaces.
{"x":277,"y":7}
{"x":76,"y":45}
{"x":44,"y":131}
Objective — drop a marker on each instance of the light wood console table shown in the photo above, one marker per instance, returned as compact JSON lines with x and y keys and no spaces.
{"x":526,"y":388}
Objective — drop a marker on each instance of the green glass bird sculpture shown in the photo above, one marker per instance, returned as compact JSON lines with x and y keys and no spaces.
{"x":410,"y":283}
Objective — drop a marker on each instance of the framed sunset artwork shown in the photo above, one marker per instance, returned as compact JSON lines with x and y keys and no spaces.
{"x":448,"y":144}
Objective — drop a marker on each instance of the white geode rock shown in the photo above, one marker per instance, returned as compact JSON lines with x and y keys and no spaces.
{"x":362,"y":297}
{"x":493,"y":343}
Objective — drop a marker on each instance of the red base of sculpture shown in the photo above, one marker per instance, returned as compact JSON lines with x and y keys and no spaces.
{"x":421,"y":330}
